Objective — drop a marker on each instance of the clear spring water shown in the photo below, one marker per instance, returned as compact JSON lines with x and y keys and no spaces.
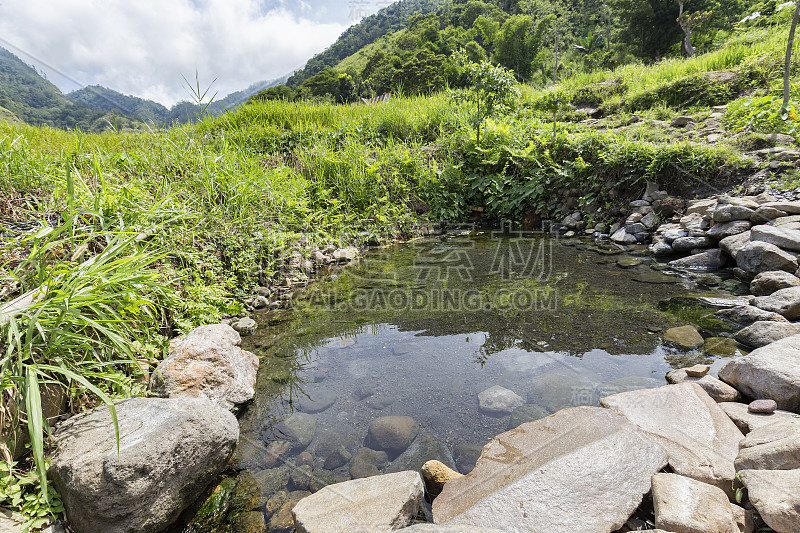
{"x":421,"y":329}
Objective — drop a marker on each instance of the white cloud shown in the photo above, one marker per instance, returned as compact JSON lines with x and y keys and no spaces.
{"x":143,"y":47}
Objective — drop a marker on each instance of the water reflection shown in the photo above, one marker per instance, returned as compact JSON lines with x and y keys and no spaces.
{"x":420,"y":330}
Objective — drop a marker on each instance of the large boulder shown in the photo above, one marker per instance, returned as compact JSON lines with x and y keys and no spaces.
{"x":208,"y":363}
{"x":728,"y":213}
{"x":169,"y":451}
{"x":780,"y":236}
{"x":758,"y":256}
{"x":785,"y":302}
{"x":686,"y":244}
{"x":379,"y":503}
{"x":775,"y":496}
{"x":744,"y":315}
{"x":747,"y":421}
{"x":772,"y":371}
{"x":773,"y":446}
{"x":731,"y":245}
{"x":766,"y":283}
{"x":700,"y":439}
{"x":690,"y":506}
{"x":581,"y":469}
{"x":761,"y":333}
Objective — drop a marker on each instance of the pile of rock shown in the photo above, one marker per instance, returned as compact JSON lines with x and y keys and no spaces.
{"x":298,"y":275}
{"x":169,"y":448}
{"x":756,"y":233}
{"x":646,"y":215}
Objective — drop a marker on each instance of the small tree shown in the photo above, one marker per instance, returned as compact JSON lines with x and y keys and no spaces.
{"x":688,"y":22}
{"x":490,"y":86}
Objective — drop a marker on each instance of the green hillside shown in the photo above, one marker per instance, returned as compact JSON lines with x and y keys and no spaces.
{"x":34,"y":100}
{"x":7,"y":116}
{"x":110,"y":101}
{"x":356,"y":37}
{"x":536,"y":39}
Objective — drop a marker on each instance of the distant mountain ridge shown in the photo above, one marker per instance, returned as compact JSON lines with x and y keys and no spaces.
{"x":26,"y":96}
{"x":111,"y":101}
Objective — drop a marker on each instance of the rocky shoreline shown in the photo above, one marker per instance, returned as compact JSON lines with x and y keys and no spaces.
{"x":689,"y":454}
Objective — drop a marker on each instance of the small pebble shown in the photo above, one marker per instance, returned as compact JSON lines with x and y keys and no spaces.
{"x":654,"y":329}
{"x":697,"y":371}
{"x":763,"y":406}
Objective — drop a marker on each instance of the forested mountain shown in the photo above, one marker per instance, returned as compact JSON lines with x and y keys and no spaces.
{"x":111,"y":101}
{"x":29,"y":97}
{"x":356,"y":37}
{"x":409,"y":46}
{"x":25,"y":95}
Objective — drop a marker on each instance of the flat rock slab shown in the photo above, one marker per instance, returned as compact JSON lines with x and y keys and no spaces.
{"x":581,"y":469}
{"x":690,"y":506}
{"x":775,"y":496}
{"x":208,"y":363}
{"x":747,"y":421}
{"x":782,"y":237}
{"x":379,"y":503}
{"x":702,"y":442}
{"x":772,"y":371}
{"x":774,"y":446}
{"x":169,"y":451}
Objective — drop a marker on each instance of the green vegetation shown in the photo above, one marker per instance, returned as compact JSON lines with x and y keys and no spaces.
{"x":139,"y":237}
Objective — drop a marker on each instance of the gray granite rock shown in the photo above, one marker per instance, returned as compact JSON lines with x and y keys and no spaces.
{"x":582,"y":469}
{"x":379,"y":503}
{"x":785,"y":302}
{"x":766,"y":283}
{"x":774,"y":446}
{"x":775,"y":496}
{"x":686,"y":505}
{"x":209,"y":363}
{"x":700,"y":439}
{"x":744,"y":315}
{"x":772,"y":371}
{"x":758,"y":256}
{"x":761,"y":333}
{"x":169,"y":451}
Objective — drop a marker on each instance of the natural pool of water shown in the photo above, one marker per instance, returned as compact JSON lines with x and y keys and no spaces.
{"x":421,"y":329}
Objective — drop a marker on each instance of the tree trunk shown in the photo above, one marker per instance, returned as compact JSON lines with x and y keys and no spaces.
{"x":787,"y":68}
{"x":687,"y":40}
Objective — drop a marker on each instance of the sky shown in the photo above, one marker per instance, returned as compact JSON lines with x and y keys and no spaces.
{"x":144,"y":47}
